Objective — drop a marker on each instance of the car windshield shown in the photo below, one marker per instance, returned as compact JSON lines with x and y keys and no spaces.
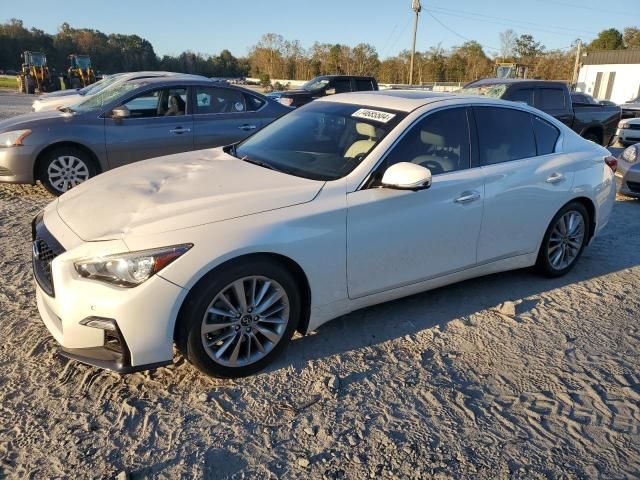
{"x":635,"y":100}
{"x":106,"y":96}
{"x":494,"y":90}
{"x":82,"y":61}
{"x":320,"y":141}
{"x":316,"y":84}
{"x":100,"y":85}
{"x":38,"y":59}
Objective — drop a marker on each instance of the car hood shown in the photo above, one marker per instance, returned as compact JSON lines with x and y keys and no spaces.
{"x":178,"y":191}
{"x":30,"y":120}
{"x":64,"y":101}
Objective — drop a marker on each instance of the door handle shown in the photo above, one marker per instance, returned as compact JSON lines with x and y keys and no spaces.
{"x":247,"y":127}
{"x":555,"y":178}
{"x":468,"y":197}
{"x":179,"y":130}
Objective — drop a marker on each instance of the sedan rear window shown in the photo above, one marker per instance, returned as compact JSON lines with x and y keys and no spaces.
{"x":320,"y":141}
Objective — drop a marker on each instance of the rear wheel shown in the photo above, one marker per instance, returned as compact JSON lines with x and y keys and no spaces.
{"x":21,"y":87}
{"x":75,"y":83}
{"x":64,"y":168}
{"x":564,"y":240}
{"x":592,"y":137}
{"x":239,"y":319}
{"x":30,"y":85}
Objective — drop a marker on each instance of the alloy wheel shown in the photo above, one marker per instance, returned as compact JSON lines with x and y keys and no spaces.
{"x":566,"y":239}
{"x":245,"y":321}
{"x":67,"y":171}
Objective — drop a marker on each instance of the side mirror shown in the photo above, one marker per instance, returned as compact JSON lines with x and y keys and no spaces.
{"x":406,"y":176}
{"x":120,"y":112}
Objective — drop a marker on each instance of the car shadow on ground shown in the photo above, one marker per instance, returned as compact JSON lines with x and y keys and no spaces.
{"x":410,"y":315}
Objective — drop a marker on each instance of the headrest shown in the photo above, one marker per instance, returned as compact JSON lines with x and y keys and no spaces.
{"x":366,"y":130}
{"x":431,"y":138}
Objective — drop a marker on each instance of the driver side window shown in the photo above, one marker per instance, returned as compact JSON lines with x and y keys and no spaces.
{"x":439,"y":142}
{"x":163,"y":102}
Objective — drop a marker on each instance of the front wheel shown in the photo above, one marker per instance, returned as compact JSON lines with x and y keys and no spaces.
{"x":564,"y":240}
{"x":65,"y":168}
{"x":240,"y":318}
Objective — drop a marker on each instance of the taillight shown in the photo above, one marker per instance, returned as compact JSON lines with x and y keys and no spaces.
{"x":612,"y":162}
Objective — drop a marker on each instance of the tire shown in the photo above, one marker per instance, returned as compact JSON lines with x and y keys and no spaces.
{"x":53,"y":173}
{"x":30,"y":86}
{"x":243,"y":335}
{"x":558,"y":253}
{"x":75,"y":83}
{"x":592,"y":137}
{"x":21,"y":88}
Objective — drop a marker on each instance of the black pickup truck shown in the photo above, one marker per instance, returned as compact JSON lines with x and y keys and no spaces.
{"x":597,"y":123}
{"x":322,"y":86}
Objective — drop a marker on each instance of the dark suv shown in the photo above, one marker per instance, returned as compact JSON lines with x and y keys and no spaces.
{"x":322,"y":86}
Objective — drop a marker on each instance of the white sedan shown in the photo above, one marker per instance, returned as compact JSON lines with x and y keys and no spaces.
{"x":349,"y":201}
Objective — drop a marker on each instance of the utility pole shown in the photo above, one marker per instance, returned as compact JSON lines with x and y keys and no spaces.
{"x":415,"y":6}
{"x":577,"y":64}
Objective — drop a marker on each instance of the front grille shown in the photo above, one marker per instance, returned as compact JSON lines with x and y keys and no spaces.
{"x":45,"y":249}
{"x":634,"y":186}
{"x":634,"y":126}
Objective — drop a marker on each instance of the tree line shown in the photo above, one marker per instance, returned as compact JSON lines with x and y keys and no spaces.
{"x":275,"y":57}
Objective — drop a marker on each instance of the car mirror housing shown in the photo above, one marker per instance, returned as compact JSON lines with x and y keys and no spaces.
{"x":406,"y":176}
{"x":120,"y":112}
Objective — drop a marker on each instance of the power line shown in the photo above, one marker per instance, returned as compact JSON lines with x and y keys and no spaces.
{"x":524,"y":22}
{"x":511,"y":24}
{"x":486,"y":47}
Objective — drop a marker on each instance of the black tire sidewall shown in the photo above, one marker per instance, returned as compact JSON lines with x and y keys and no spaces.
{"x":52,"y":155}
{"x":189,"y":328}
{"x":593,"y":138}
{"x":543,"y":264}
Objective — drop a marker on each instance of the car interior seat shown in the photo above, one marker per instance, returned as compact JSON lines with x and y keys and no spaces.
{"x":437,"y":157}
{"x":362,"y":146}
{"x":176,"y":106}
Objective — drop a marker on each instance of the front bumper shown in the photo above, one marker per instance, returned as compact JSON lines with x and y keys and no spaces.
{"x":628,"y":175}
{"x":17,"y":163}
{"x":144,"y":316}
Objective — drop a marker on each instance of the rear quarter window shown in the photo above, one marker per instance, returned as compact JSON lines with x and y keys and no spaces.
{"x":546,"y":136}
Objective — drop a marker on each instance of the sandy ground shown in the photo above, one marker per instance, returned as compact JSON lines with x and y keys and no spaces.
{"x":509,"y":376}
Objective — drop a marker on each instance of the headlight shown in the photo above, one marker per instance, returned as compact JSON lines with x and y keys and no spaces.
{"x":14,"y":138}
{"x":623,"y":124}
{"x":129,"y":269}
{"x":630,"y":155}
{"x":286,"y":101}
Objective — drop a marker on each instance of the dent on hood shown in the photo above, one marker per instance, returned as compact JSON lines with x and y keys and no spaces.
{"x":178,"y":191}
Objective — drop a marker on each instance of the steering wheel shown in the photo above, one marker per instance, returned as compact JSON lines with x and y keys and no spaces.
{"x":435,"y":167}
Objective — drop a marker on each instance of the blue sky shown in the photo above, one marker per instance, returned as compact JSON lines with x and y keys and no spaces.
{"x":210,"y":26}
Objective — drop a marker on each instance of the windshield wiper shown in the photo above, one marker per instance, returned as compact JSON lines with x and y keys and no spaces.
{"x":259,"y":163}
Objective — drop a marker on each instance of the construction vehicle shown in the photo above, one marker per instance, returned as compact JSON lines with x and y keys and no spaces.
{"x":80,"y":74}
{"x":511,"y":70}
{"x":35,"y":74}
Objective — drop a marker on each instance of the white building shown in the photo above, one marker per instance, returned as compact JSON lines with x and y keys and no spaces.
{"x":610,"y":75}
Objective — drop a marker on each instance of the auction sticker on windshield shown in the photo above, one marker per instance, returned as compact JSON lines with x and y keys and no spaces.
{"x":375,"y":115}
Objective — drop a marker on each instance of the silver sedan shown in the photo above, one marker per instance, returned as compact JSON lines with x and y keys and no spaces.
{"x":629,"y":171}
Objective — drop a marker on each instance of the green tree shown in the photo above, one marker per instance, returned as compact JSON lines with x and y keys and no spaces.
{"x":610,"y":39}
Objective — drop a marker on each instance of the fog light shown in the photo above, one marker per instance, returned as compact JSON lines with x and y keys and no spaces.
{"x":100,"y":322}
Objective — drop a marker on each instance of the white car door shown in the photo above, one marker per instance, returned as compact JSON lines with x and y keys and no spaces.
{"x":526,"y":182}
{"x":399,"y":237}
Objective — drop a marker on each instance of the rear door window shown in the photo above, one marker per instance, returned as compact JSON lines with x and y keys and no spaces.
{"x":504,"y":134}
{"x":550,"y":99}
{"x":546,"y":136}
{"x":225,"y":100}
{"x":524,"y":95}
{"x":363,"y":85}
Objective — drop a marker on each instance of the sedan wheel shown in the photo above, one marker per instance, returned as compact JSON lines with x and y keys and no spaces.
{"x":564,"y":240}
{"x":245,"y":321}
{"x":65,"y":168}
{"x":66,"y":172}
{"x":239,"y":317}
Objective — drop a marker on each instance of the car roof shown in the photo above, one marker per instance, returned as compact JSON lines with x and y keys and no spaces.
{"x":511,"y":81}
{"x":409,"y":100}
